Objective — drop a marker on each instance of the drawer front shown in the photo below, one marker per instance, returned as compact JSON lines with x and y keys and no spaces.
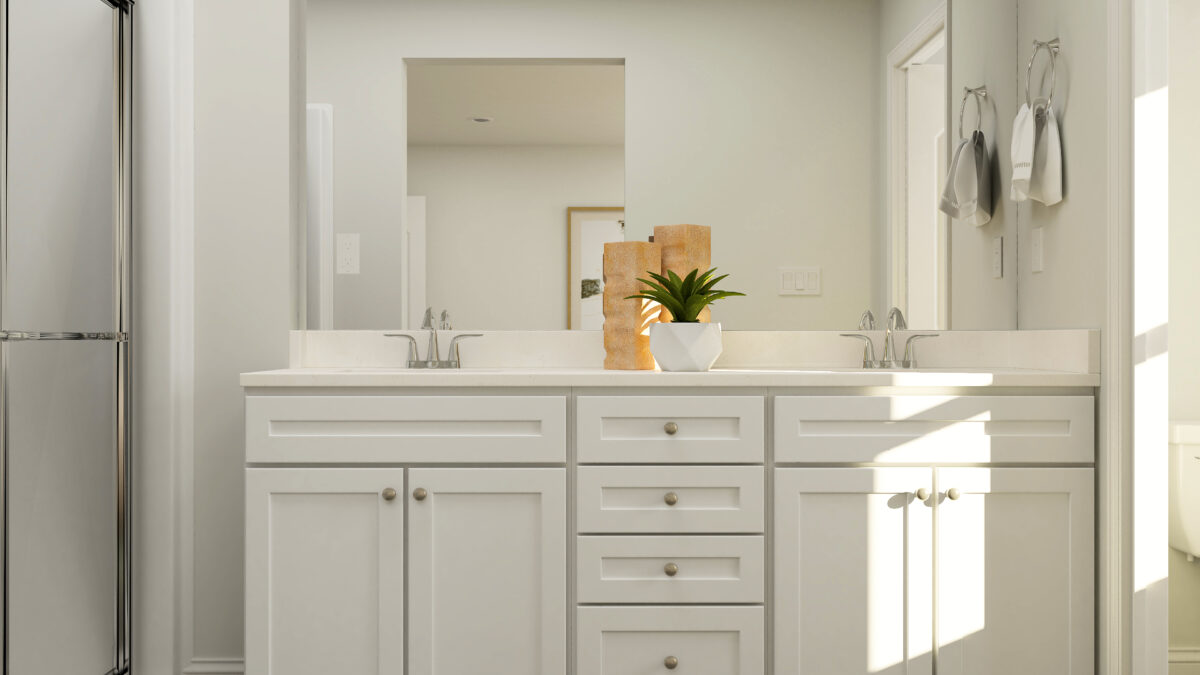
{"x":935,"y":429}
{"x":635,"y":499}
{"x":411,"y":429}
{"x":670,"y":429}
{"x":693,"y":640}
{"x":671,"y":570}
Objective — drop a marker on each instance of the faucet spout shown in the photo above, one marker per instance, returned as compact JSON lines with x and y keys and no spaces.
{"x":895,"y":321}
{"x":432,"y":353}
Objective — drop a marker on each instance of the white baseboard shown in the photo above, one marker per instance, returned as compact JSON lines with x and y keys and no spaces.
{"x":211,"y":666}
{"x":1184,"y":655}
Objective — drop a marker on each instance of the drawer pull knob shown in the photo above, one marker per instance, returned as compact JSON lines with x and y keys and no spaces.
{"x":420,"y":494}
{"x":922,"y":494}
{"x":953,"y":493}
{"x":671,"y":428}
{"x":671,"y":499}
{"x":671,"y":663}
{"x":389,"y":494}
{"x":671,"y":569}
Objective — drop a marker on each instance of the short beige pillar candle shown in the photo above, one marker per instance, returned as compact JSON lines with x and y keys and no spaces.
{"x":627,"y":322}
{"x":685,"y":248}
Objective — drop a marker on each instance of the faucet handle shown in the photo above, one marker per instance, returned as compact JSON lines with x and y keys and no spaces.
{"x":453,"y":351}
{"x":910,"y":353}
{"x":412,"y":345}
{"x":868,"y":350}
{"x":867,"y":321}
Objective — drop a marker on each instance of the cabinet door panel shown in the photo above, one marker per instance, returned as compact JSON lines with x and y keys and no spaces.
{"x":853,"y":571}
{"x":487,"y":571}
{"x":324,"y":572}
{"x":1015,"y":571}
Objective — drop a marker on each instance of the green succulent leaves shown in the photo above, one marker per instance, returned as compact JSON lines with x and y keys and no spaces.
{"x":685,"y":297}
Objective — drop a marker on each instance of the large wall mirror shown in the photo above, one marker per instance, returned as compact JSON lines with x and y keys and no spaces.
{"x":475,"y":159}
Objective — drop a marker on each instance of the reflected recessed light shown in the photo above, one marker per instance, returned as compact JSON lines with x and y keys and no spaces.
{"x":480,"y":120}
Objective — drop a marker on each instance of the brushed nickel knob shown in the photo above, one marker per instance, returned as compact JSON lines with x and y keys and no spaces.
{"x":953,"y":493}
{"x":671,"y":428}
{"x":671,"y":569}
{"x":671,"y":499}
{"x":671,"y":663}
{"x":420,"y":494}
{"x":389,"y":494}
{"x":922,"y":494}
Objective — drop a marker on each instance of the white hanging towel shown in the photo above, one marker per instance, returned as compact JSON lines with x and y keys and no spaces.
{"x":1024,"y":137}
{"x":968,"y":192}
{"x":1036,"y":155}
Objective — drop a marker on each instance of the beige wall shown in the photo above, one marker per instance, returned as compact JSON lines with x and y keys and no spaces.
{"x":1070,"y":293}
{"x":244,"y":212}
{"x":983,"y":34}
{"x":496,"y":219}
{"x":1184,"y":334}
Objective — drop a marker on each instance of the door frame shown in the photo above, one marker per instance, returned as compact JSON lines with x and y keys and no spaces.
{"x":921,"y":41}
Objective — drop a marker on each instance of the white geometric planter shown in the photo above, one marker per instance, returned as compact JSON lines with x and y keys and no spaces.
{"x":685,"y":347}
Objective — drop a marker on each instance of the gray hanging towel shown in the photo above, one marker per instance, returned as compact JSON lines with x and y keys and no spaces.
{"x":968,"y":193}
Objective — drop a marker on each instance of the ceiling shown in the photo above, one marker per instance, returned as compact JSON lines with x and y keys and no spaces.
{"x":529,"y":104}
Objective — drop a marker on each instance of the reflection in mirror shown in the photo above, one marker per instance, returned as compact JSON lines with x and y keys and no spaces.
{"x":810,"y":136}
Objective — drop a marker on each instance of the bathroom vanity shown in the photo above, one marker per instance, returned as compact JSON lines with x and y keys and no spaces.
{"x":608,"y":523}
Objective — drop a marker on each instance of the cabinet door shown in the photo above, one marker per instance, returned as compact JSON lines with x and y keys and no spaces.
{"x":324,"y":572}
{"x":1015,"y":569}
{"x":853,"y":571}
{"x":487,"y":571}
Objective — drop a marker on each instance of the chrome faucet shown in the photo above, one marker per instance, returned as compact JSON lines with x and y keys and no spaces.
{"x":895,"y":322}
{"x":432,"y":353}
{"x":867,"y":321}
{"x":433,"y":356}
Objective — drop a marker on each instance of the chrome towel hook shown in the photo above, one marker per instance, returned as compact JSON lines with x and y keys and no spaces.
{"x":1052,"y":48}
{"x":979,"y":93}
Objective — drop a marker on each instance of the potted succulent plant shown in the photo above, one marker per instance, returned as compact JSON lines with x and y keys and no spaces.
{"x":684,"y":344}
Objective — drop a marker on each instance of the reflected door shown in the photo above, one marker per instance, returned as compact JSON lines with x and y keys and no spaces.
{"x":853,"y":571}
{"x":1015,"y":571}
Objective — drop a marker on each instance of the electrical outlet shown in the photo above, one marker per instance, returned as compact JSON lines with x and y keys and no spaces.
{"x":799,"y":280}
{"x":998,"y":258}
{"x":1039,"y":251}
{"x":347,"y":254}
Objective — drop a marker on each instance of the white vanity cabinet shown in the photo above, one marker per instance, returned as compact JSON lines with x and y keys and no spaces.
{"x":739,"y":531}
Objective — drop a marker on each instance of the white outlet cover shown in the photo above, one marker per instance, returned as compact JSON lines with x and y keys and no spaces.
{"x":998,"y":258}
{"x":347,"y":254}
{"x":799,"y":280}
{"x":1039,"y":251}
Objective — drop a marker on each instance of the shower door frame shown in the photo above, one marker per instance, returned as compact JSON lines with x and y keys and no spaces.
{"x":122,"y":179}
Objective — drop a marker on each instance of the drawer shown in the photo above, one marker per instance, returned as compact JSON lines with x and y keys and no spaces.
{"x":670,"y":429}
{"x":410,"y":429}
{"x":693,"y":640}
{"x":670,"y":570}
{"x":634,"y":499}
{"x":935,"y":429}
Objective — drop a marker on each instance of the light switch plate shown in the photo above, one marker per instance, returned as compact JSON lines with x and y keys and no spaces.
{"x":347,"y":254}
{"x":799,"y":280}
{"x":1039,"y":251}
{"x":998,"y":258}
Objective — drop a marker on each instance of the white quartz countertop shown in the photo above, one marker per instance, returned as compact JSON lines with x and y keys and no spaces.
{"x":581,"y":377}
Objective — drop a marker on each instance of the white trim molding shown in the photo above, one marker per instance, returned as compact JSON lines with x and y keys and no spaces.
{"x":1184,"y":655}
{"x":215,"y":666}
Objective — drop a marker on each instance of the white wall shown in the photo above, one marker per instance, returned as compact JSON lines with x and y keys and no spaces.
{"x":1184,"y":334}
{"x":983,"y":36}
{"x":1070,"y":293}
{"x":496,"y":220}
{"x":244,"y":96}
{"x":738,"y":117}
